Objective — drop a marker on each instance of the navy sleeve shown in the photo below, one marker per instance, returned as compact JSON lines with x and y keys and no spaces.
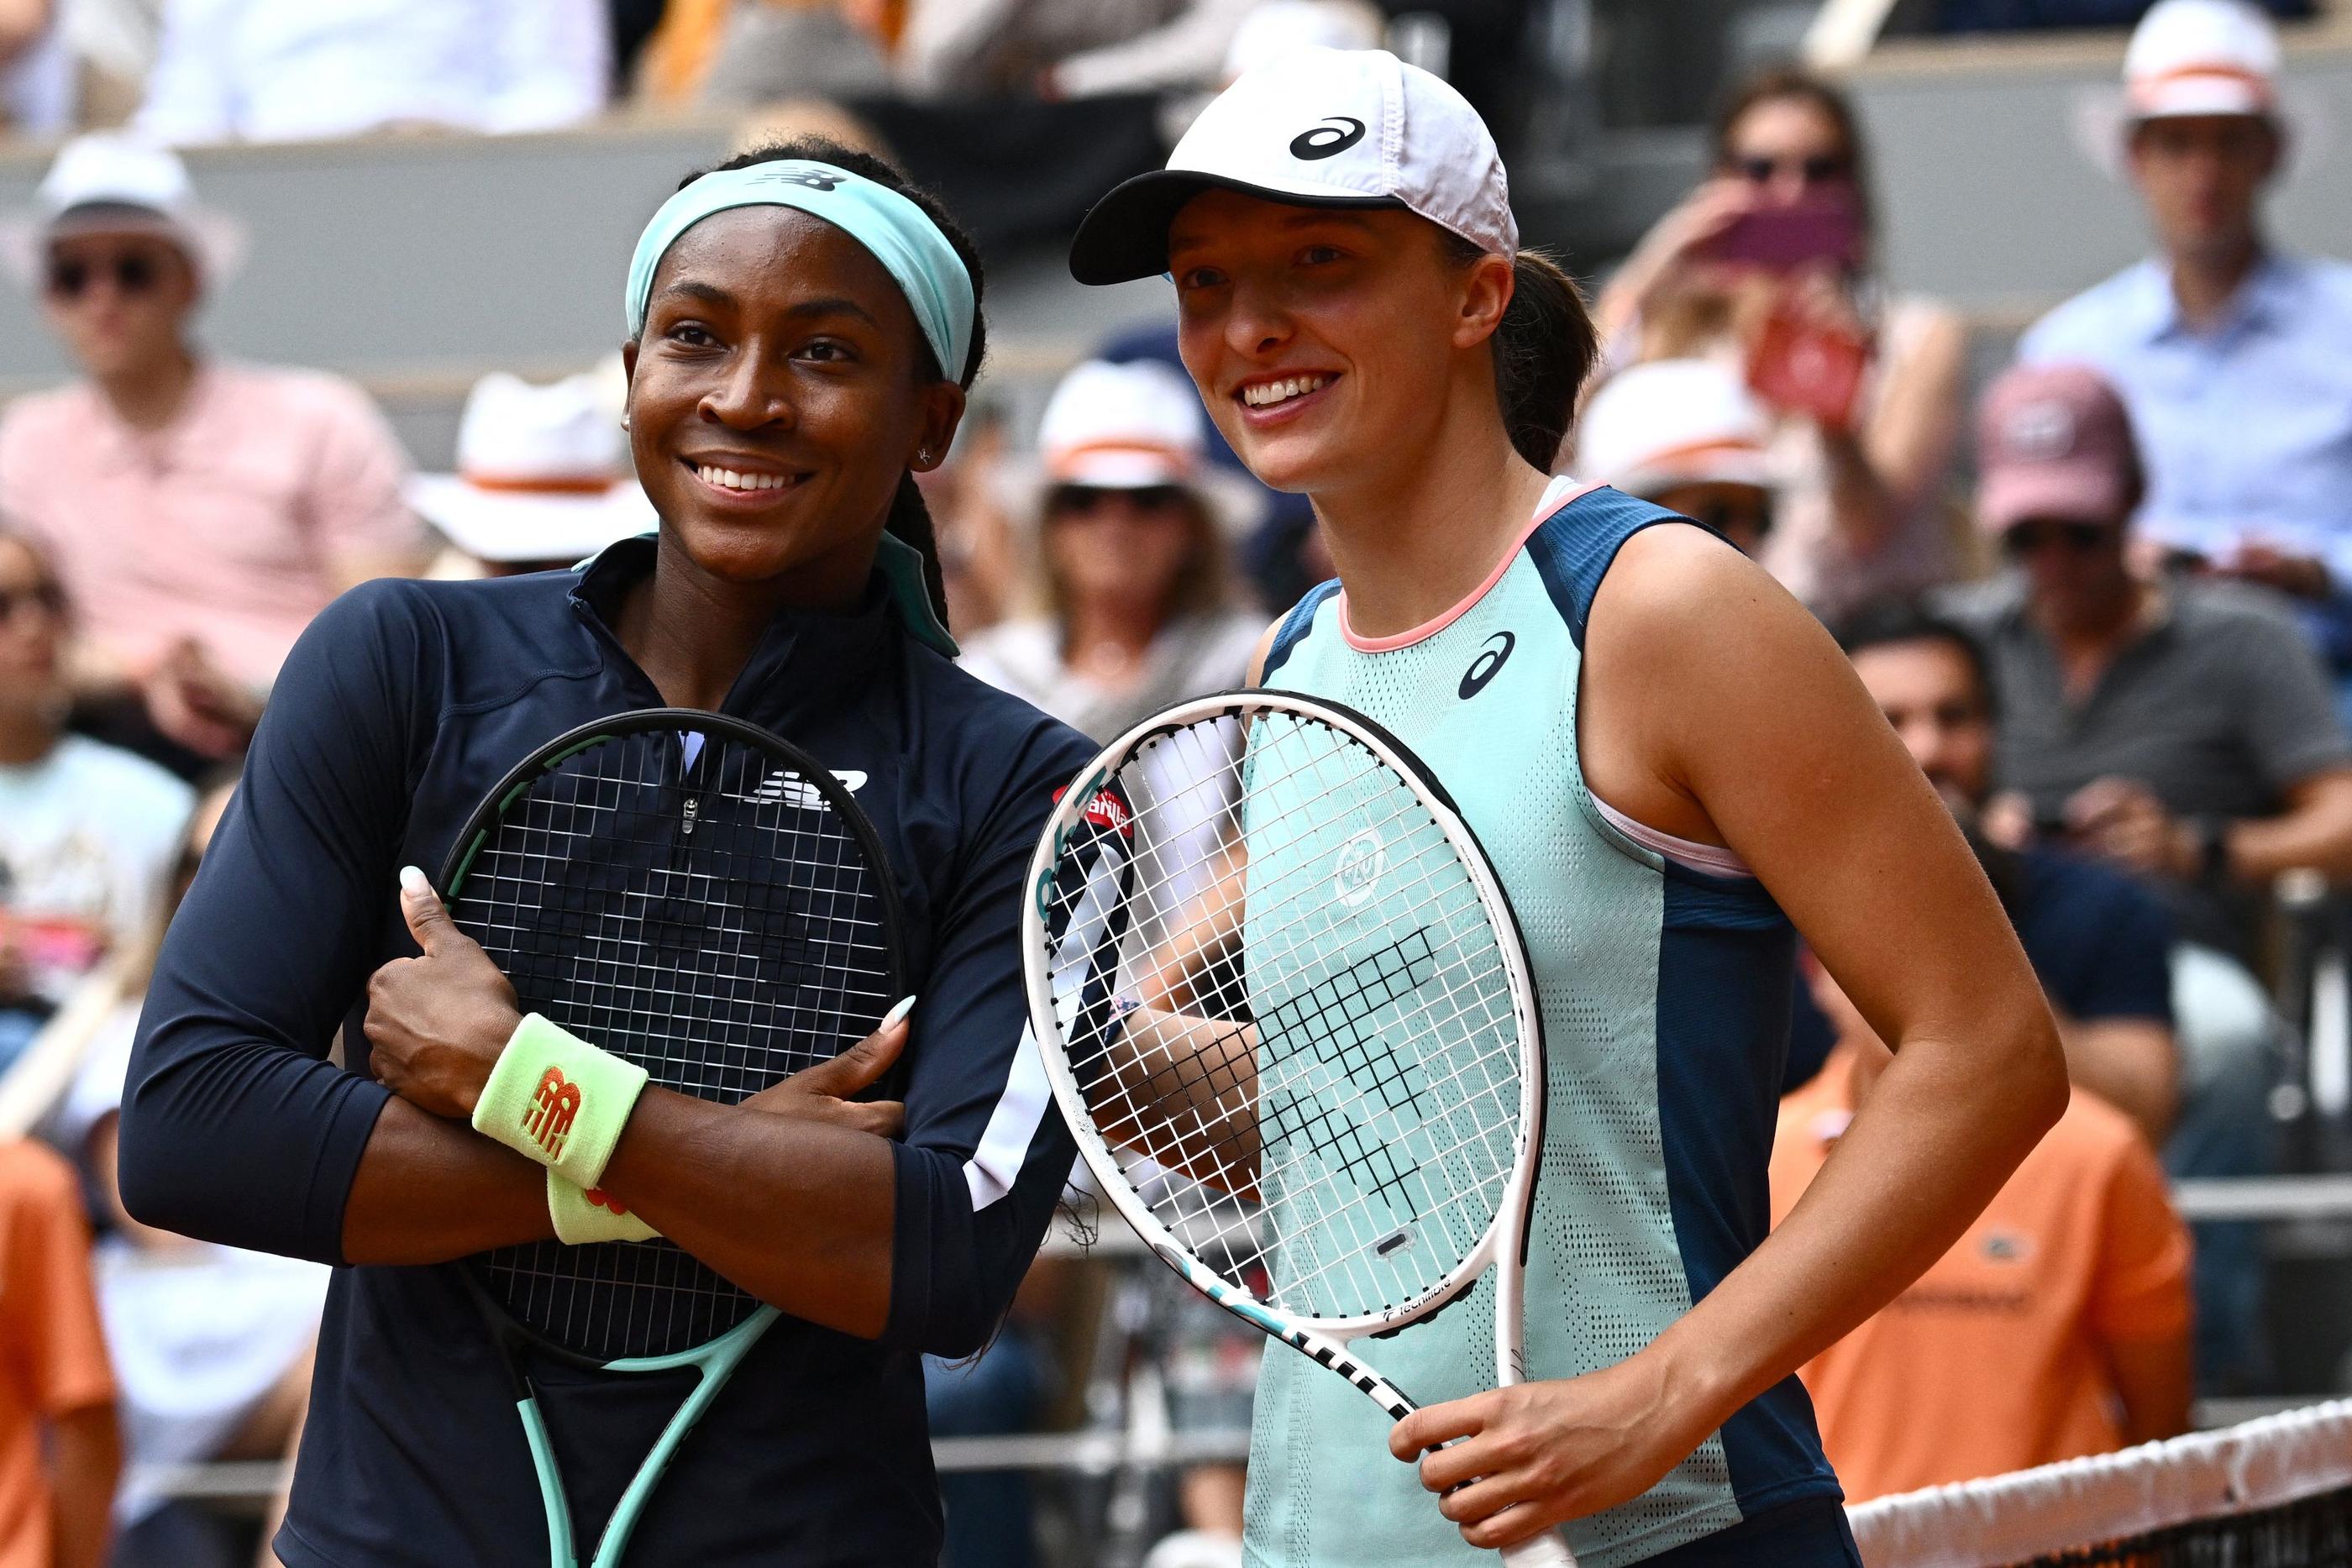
{"x":236,"y":1127}
{"x":985,"y":1153}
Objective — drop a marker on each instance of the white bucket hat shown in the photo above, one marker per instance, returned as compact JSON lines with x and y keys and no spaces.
{"x":1673,"y":422}
{"x":542,"y":475}
{"x":108,"y":183}
{"x":1134,"y":427}
{"x":1340,"y":128}
{"x":2201,"y":57}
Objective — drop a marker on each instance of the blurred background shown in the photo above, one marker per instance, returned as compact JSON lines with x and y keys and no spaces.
{"x":305,"y":291}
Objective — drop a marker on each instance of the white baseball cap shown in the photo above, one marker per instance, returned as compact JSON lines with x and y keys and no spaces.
{"x":1665,"y":423}
{"x":108,"y":183}
{"x":1340,"y":128}
{"x":1122,"y":427}
{"x":542,"y":475}
{"x":2201,"y":57}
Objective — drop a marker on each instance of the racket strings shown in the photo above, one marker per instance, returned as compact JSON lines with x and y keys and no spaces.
{"x":1345,"y":1160}
{"x":704,"y":913}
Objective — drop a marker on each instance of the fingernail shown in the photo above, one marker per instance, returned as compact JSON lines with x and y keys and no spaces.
{"x":413,"y":881}
{"x":895,"y":1015}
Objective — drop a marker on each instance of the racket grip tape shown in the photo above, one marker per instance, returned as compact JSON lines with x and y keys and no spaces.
{"x":556,"y":1099}
{"x":583,"y":1216}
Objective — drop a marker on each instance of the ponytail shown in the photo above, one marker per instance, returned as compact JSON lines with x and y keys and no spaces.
{"x":910,"y":519}
{"x":1544,"y":349}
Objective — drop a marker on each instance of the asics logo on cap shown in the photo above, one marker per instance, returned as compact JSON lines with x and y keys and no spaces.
{"x":1334,"y":135}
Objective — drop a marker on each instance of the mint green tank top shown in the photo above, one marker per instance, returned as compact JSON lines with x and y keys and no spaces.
{"x":1665,"y":992}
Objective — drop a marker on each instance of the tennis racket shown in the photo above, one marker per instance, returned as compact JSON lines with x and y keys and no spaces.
{"x":1286,"y":1008}
{"x":686,"y":891}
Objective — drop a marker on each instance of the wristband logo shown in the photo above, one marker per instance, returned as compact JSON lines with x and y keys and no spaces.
{"x":548,"y":1118}
{"x":598,"y":1198}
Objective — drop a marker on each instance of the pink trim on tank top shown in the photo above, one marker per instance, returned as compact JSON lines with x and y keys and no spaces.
{"x":1544,"y":508}
{"x":1712,"y":859}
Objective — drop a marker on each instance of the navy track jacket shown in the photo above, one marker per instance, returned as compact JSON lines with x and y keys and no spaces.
{"x":401,"y":707}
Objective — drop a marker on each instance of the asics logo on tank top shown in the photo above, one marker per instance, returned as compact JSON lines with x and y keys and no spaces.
{"x":1334,"y":136}
{"x":1482,"y":669}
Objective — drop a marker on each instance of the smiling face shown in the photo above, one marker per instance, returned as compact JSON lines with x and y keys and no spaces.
{"x":778,"y":392}
{"x":1327,"y":342}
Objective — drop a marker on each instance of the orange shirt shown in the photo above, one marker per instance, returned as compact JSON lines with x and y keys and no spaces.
{"x":52,"y":1350}
{"x":1993,"y":1360}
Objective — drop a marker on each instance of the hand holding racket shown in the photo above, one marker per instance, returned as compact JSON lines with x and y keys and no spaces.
{"x":1284,"y":1006}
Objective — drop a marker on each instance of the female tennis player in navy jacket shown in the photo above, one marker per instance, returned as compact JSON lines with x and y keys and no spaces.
{"x":786,"y":377}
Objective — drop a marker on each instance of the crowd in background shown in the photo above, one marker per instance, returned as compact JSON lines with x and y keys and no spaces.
{"x":2105,"y":600}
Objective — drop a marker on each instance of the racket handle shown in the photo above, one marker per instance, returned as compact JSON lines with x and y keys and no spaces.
{"x":1546,"y":1551}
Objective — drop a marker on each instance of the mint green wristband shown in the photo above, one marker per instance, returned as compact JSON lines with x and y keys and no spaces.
{"x":554,"y":1098}
{"x":592,"y":1216}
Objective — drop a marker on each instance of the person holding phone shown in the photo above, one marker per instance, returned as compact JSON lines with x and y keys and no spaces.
{"x":1767,"y":265}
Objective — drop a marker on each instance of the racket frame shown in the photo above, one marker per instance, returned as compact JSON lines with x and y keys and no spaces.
{"x":714,"y":1359}
{"x":1504,"y":1246}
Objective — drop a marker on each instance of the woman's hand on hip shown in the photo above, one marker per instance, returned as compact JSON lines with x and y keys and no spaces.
{"x":436,"y":1024}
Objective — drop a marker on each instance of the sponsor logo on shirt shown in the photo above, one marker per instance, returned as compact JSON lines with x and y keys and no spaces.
{"x":549,"y":1117}
{"x":2006,"y":1247}
{"x":1106,"y":809}
{"x":789,"y":788}
{"x":1484,"y":668}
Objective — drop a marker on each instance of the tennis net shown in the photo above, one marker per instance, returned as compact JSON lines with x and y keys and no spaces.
{"x":2271,"y":1493}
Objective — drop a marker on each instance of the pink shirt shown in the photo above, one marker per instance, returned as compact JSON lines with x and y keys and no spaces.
{"x":230,"y":526}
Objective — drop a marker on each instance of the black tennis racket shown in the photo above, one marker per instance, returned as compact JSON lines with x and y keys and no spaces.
{"x":686,"y":891}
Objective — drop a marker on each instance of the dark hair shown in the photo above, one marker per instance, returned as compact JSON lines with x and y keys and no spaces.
{"x":1772,"y":85}
{"x":1544,"y":348}
{"x":909,"y":519}
{"x":1884,"y":622}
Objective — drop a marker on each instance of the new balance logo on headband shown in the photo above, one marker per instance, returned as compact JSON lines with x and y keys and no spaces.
{"x":1392,"y":136}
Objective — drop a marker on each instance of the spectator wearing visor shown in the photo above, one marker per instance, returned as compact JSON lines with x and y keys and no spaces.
{"x":1136,"y":606}
{"x":2235,"y":358}
{"x":1688,"y":435}
{"x":199,"y":512}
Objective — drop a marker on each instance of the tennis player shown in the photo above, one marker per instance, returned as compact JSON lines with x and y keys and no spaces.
{"x":801,"y":330}
{"x":1674,"y":770}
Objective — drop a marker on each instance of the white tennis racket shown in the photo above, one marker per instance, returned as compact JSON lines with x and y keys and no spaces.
{"x":1285,"y":1006}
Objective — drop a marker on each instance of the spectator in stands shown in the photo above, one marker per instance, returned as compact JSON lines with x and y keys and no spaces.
{"x":1064,"y":48}
{"x":543,"y":480}
{"x":762,"y":51}
{"x":211,"y":1345}
{"x":2234,"y":359}
{"x":2100,"y":944}
{"x":1768,"y":266}
{"x":2180,"y":729}
{"x":1688,"y":435}
{"x":59,"y":1447}
{"x":284,"y":70}
{"x":36,"y":71}
{"x":2057,"y":1326}
{"x":87,"y":831}
{"x":1138,"y":608}
{"x":198,"y":512}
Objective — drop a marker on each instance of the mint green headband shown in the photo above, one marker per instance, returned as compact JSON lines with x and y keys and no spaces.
{"x":899,"y":233}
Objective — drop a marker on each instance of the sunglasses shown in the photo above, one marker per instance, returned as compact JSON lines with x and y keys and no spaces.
{"x":70,"y":276}
{"x":1084,"y":500}
{"x":1816,"y":170}
{"x":2032,"y":538}
{"x":43,"y":596}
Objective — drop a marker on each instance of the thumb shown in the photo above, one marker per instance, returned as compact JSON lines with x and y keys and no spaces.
{"x":863,"y":1063}
{"x":428,"y":921}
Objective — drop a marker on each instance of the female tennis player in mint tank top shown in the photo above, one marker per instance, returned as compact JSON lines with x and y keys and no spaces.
{"x":1675,"y":772}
